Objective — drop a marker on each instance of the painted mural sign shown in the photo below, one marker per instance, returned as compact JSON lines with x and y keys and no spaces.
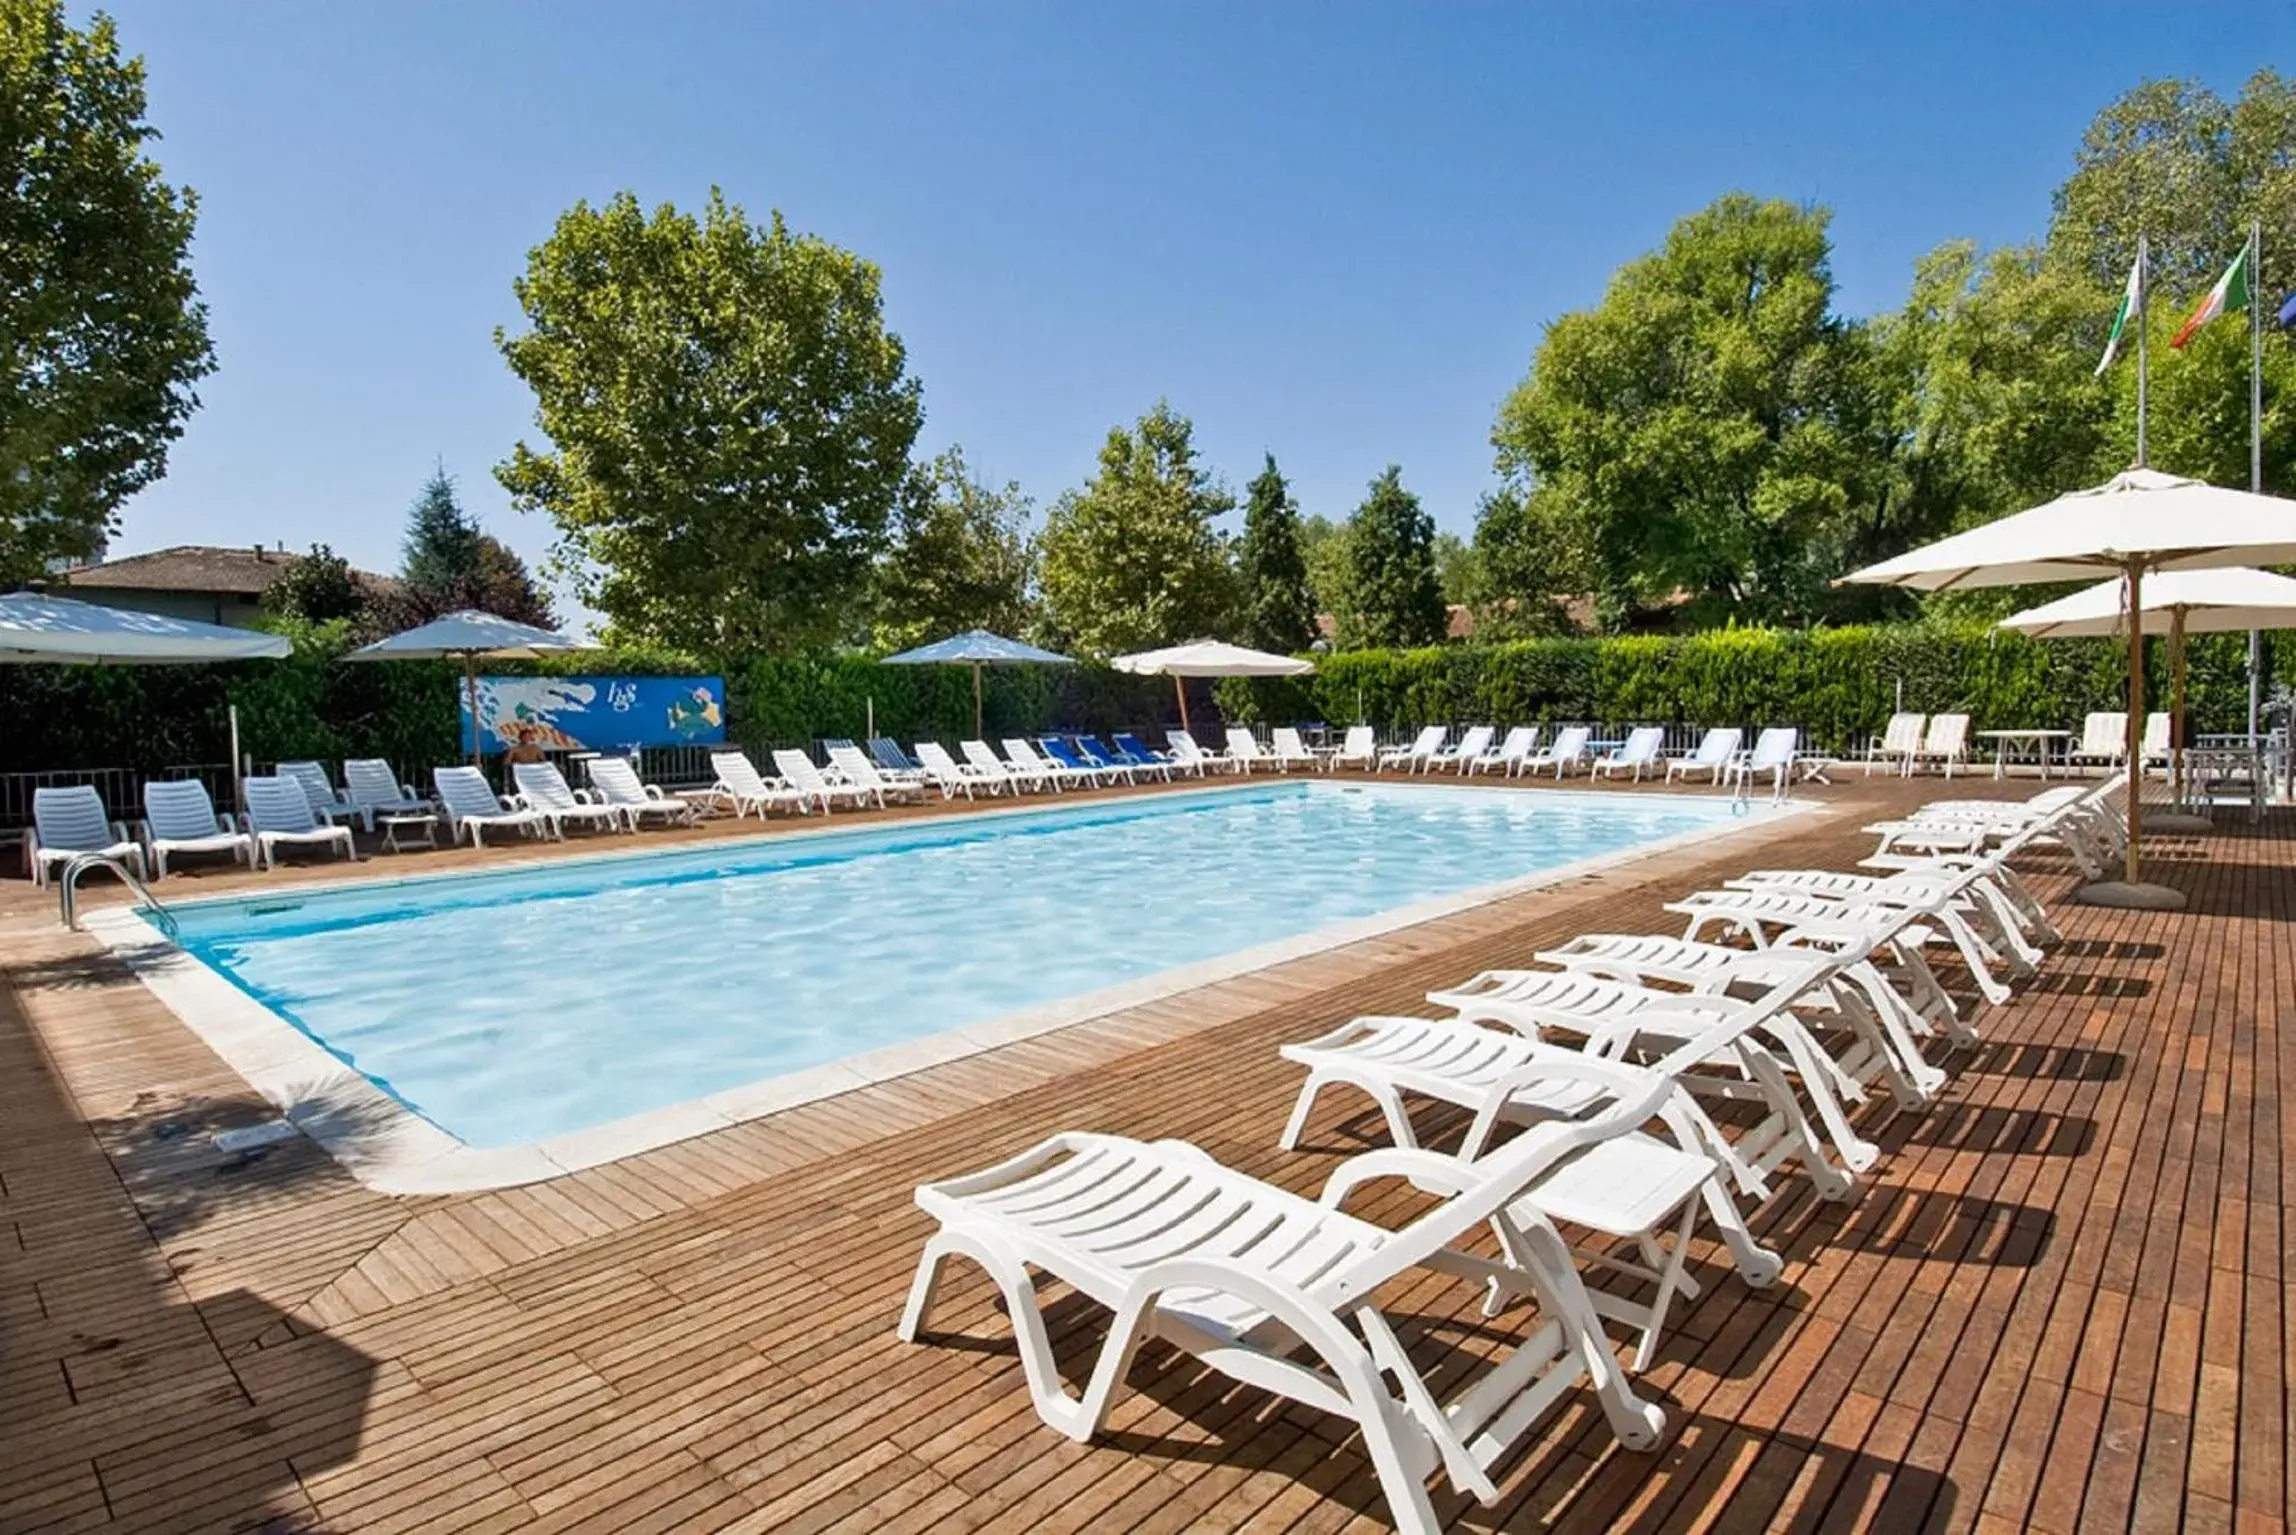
{"x":596,"y":713}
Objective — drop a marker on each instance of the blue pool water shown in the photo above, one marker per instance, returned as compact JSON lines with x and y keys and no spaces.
{"x":511,"y":1007}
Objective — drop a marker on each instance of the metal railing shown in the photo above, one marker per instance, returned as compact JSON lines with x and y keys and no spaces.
{"x":68,"y":891}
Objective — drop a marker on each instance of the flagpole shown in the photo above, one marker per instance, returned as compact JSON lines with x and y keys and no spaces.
{"x":2144,"y":302}
{"x":2256,"y":292}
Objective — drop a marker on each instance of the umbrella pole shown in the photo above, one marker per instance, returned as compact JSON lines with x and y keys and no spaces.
{"x":977,"y":702}
{"x":1180,"y":691}
{"x":2136,"y":730}
{"x":470,"y":684}
{"x":2176,"y":705}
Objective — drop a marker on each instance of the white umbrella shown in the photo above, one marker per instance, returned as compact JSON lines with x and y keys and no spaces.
{"x":469,"y":634}
{"x":2137,"y":522}
{"x":35,"y":627}
{"x":2177,"y":603}
{"x":1209,"y":658}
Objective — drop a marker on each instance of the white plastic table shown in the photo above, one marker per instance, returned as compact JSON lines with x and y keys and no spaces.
{"x":2036,"y":744}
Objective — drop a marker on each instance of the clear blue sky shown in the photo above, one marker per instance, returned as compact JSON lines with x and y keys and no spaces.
{"x":1332,"y":230}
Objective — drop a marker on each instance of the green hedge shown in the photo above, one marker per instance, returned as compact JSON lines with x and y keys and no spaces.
{"x":1838,"y":685}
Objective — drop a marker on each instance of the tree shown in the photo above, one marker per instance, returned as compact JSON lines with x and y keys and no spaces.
{"x":1525,"y":567}
{"x":102,"y":334}
{"x":730,"y":422}
{"x":1391,"y":554}
{"x":1132,"y":561}
{"x":1457,"y":568}
{"x":318,"y":588}
{"x":1279,"y":608}
{"x":442,"y":551}
{"x":1323,"y":546}
{"x":960,"y":557}
{"x":1711,"y":426}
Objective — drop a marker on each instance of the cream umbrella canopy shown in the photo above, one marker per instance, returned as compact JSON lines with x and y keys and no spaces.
{"x":469,"y":634}
{"x":2139,"y":522}
{"x":1209,"y":658}
{"x":2177,"y":603}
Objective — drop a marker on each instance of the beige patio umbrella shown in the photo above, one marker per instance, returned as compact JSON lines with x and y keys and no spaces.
{"x":1209,"y":658}
{"x":2177,"y":603}
{"x":470,"y":635}
{"x":2139,"y":522}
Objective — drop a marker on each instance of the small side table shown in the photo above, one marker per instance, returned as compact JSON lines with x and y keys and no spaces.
{"x":399,"y":830}
{"x":2007,"y":742}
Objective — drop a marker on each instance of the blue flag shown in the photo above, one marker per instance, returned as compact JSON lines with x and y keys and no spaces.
{"x":2286,"y":318}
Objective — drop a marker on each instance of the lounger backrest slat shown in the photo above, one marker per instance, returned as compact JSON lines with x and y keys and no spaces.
{"x":2155,"y":743}
{"x":1520,"y":740}
{"x":1718,"y":745}
{"x":370,"y":781}
{"x":543,"y":785}
{"x":1362,"y":741}
{"x":1948,"y":735}
{"x":1476,"y":741}
{"x":2105,"y":733}
{"x":1431,"y":739}
{"x":72,"y":819}
{"x":738,"y":773}
{"x":938,"y":762}
{"x":1570,"y":741}
{"x":465,"y":792}
{"x":799,"y":770}
{"x":180,"y":811}
{"x":311,"y":778}
{"x":1903,"y":737}
{"x":278,"y":803}
{"x":1242,"y":743}
{"x":1643,"y":745}
{"x":1776,"y":745}
{"x":1288,"y":743}
{"x":858,"y":770}
{"x":888,"y":755}
{"x":614,"y":778}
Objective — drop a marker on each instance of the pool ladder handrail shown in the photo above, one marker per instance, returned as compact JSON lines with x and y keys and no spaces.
{"x":68,"y":891}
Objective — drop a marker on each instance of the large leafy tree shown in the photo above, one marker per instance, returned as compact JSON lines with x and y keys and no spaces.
{"x":960,"y":557}
{"x":729,"y":422}
{"x":1132,"y":561}
{"x":318,"y":588}
{"x":1392,"y":578}
{"x":102,"y":334}
{"x":1710,"y":427}
{"x":1279,"y":607}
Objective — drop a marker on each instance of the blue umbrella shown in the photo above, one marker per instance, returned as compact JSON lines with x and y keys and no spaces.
{"x":976,"y":648}
{"x":468,"y":634}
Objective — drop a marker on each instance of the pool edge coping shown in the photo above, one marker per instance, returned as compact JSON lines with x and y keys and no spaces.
{"x":393,"y":1149}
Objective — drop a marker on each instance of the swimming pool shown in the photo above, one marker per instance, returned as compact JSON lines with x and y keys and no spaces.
{"x":516,"y":1006}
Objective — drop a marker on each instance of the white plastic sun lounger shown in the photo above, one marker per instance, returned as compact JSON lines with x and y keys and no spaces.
{"x":953,"y":777}
{"x":328,"y":803}
{"x":1775,"y":751}
{"x":543,"y":788}
{"x":1360,"y":745}
{"x":279,"y":814}
{"x":853,"y":765}
{"x":1521,"y":741}
{"x":1569,"y":751}
{"x":1894,"y":748}
{"x":615,"y":781}
{"x":2154,"y":748}
{"x":69,"y":821}
{"x":1472,"y":745}
{"x":471,"y":804}
{"x":742,"y":787}
{"x":1188,"y":754}
{"x":1419,"y":753}
{"x":1632,"y":1187}
{"x":798,"y":771}
{"x":1640,"y":751}
{"x":1023,"y":757}
{"x":1904,"y":919}
{"x":179,"y":818}
{"x":1278,"y":1291}
{"x":1289,"y":750}
{"x":375,"y":790}
{"x":1244,"y":750}
{"x":1615,"y":1017}
{"x":993,"y":767}
{"x":1717,"y":749}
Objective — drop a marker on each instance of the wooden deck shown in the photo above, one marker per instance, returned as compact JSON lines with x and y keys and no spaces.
{"x":2060,"y":1305}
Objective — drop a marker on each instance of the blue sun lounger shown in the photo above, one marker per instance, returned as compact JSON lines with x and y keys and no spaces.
{"x":1091,"y":747}
{"x":1067,"y":756}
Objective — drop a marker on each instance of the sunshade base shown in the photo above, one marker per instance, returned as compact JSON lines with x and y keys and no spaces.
{"x":2130,"y":895}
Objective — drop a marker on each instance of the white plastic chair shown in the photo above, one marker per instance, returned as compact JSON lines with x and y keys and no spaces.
{"x":1639,"y":751}
{"x":1894,"y":748}
{"x":2104,"y":739}
{"x":179,"y":818}
{"x":1521,"y":741}
{"x":1717,"y":749}
{"x":1946,"y":744}
{"x":1422,"y":750}
{"x":279,"y":813}
{"x":71,"y":820}
{"x":1775,"y":751}
{"x":472,"y":805}
{"x":1568,"y":751}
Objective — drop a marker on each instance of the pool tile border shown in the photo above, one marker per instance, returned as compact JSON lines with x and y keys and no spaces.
{"x":394,"y":1150}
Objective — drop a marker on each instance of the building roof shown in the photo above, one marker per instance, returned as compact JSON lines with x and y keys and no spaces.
{"x":242,"y":568}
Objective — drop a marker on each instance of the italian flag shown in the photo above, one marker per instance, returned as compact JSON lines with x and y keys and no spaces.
{"x":2130,"y":299}
{"x":2231,"y":292}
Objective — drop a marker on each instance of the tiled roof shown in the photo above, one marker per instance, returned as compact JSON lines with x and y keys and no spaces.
{"x":193,"y":568}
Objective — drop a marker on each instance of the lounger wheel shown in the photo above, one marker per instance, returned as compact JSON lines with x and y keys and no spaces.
{"x":1762,"y":1270}
{"x":1643,"y":1430}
